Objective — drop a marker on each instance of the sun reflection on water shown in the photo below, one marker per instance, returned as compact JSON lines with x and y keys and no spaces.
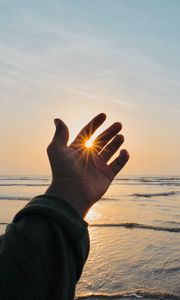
{"x":92,"y":215}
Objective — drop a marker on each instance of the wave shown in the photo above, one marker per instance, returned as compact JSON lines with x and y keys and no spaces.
{"x":149,"y":195}
{"x":167,"y":270}
{"x":17,"y":178}
{"x":138,"y":226}
{"x":143,"y":195}
{"x":25,"y":198}
{"x":24,"y":184}
{"x":173,"y":222}
{"x":160,"y":181}
{"x":133,"y":295}
{"x":165,"y":184}
{"x":149,"y":178}
{"x":112,"y":199}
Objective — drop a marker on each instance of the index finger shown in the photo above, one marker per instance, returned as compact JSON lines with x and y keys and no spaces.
{"x":88,"y":130}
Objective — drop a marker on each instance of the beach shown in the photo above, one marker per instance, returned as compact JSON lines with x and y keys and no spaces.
{"x":134,"y":231}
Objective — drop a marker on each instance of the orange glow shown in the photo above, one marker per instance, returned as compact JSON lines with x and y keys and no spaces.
{"x":89,"y":144}
{"x":93,"y":214}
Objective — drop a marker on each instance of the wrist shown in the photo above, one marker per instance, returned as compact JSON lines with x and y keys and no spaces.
{"x":70,"y":194}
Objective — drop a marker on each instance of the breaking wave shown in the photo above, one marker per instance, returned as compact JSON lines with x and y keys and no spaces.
{"x":18,"y":178}
{"x":131,"y":295}
{"x":25,"y":198}
{"x":161,"y":181}
{"x":138,"y":226}
{"x":24,"y":184}
{"x":149,"y":195}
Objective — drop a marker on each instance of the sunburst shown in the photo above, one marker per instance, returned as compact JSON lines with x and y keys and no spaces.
{"x":89,"y":144}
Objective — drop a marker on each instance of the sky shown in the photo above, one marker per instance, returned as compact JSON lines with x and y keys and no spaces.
{"x":74,"y":59}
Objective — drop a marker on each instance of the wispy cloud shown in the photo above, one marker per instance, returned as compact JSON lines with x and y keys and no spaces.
{"x":87,"y":94}
{"x":79,"y":58}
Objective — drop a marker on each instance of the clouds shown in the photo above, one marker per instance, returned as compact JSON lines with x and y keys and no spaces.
{"x":79,"y":57}
{"x":66,"y":44}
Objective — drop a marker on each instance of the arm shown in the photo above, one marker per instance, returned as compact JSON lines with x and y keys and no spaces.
{"x":44,"y":249}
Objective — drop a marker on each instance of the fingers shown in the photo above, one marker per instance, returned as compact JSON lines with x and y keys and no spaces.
{"x":88,"y":130}
{"x":106,"y":136}
{"x":112,"y":147}
{"x":61,"y":135}
{"x":119,"y":162}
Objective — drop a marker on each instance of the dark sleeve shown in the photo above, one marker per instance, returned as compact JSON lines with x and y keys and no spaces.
{"x":43,"y":251}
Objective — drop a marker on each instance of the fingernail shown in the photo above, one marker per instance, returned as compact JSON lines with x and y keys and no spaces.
{"x":56,"y":122}
{"x":124,"y":154}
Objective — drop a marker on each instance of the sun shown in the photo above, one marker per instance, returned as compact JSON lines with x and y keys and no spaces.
{"x":89,"y":144}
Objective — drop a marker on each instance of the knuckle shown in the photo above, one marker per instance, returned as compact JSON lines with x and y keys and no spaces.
{"x":50,"y":147}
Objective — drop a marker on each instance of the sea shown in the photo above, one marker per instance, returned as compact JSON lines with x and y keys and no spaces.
{"x":134,"y":231}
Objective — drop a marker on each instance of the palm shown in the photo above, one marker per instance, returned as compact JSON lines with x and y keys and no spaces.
{"x":87,"y":169}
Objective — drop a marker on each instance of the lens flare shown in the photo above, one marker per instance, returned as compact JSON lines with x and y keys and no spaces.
{"x":89,"y":144}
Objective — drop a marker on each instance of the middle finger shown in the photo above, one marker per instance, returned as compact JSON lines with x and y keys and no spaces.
{"x":102,"y":139}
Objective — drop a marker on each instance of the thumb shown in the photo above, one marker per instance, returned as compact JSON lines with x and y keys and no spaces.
{"x":61,"y":135}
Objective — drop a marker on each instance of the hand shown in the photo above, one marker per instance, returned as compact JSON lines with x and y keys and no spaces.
{"x":82,"y":175}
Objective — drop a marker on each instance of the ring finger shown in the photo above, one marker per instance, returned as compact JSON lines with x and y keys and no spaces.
{"x":112,"y":147}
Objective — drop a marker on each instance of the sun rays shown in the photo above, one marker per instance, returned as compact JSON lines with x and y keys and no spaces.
{"x":89,"y":144}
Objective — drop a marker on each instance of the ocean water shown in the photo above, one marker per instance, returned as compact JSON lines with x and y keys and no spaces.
{"x":134,"y":231}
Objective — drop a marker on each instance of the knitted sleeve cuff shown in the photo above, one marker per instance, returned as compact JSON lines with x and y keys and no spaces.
{"x":71,"y":223}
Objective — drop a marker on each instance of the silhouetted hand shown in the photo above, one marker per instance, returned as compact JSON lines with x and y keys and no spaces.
{"x":82,"y":175}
